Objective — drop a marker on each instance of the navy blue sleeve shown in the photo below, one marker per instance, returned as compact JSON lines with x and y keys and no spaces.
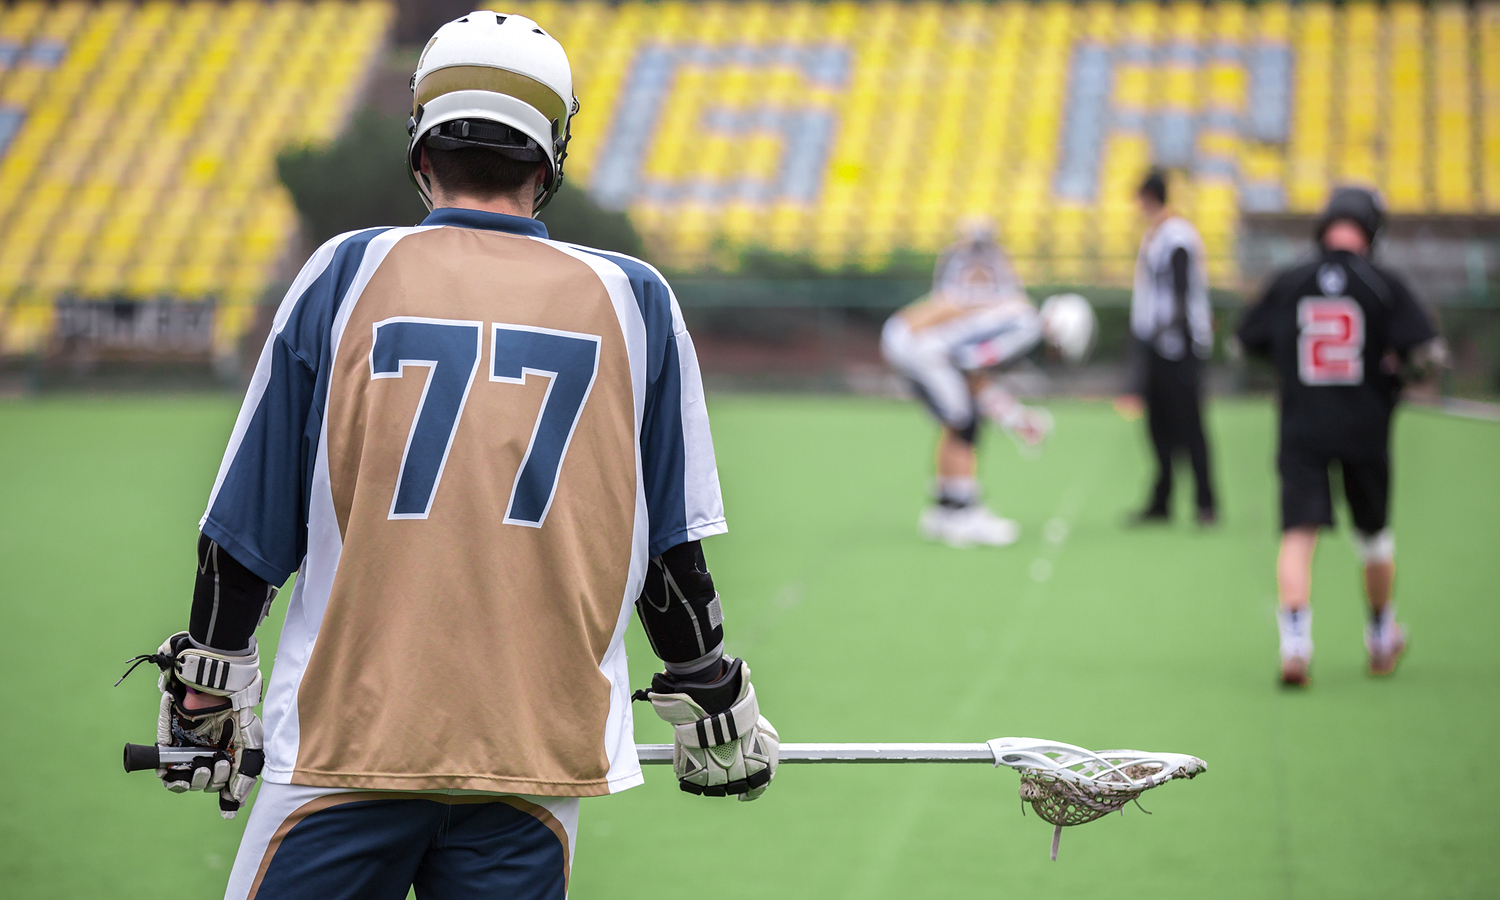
{"x":679,"y":474}
{"x":663,"y":454}
{"x":258,"y":511}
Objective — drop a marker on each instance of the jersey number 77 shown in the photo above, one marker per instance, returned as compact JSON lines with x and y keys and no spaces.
{"x":1330,"y":341}
{"x":450,"y":350}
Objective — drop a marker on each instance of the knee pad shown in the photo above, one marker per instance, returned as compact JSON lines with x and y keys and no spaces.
{"x":969,"y":434}
{"x":1374,"y":548}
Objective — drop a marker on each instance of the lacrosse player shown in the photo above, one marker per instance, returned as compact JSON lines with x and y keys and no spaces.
{"x":1338,"y":330}
{"x":477,"y":448}
{"x":976,"y":319}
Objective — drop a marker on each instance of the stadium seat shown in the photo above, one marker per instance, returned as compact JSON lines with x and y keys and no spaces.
{"x":1407,"y":175}
{"x":1452,"y":174}
{"x":1489,"y":103}
{"x":138,"y":161}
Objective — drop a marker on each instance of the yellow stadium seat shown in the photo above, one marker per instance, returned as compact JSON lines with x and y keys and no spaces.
{"x":1452,"y":164}
{"x":141,"y":131}
{"x":145,"y":158}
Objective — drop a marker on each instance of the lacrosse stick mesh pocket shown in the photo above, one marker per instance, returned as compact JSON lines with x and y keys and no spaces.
{"x":1063,"y":802}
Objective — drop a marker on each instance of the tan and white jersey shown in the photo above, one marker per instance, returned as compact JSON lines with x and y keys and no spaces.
{"x":467,"y":440}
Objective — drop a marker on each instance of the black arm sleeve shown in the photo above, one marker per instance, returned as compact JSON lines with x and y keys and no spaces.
{"x":1179,"y":285}
{"x":681,"y":614}
{"x":229,"y":601}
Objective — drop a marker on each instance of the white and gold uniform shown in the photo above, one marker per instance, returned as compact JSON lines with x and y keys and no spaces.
{"x":466,"y":440}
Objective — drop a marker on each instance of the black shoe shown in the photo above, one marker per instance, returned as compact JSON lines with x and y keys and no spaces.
{"x":1207,"y":518}
{"x":1148,"y":517}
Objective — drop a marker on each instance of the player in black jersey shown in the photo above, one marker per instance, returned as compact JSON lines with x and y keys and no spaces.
{"x":1341,"y":333}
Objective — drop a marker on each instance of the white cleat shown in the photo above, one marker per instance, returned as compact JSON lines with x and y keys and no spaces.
{"x":969,"y":526}
{"x":1295,"y":671}
{"x":1385,"y":648}
{"x":1295,"y":630}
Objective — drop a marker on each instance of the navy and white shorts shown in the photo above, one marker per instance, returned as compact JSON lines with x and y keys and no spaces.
{"x":312,"y":843}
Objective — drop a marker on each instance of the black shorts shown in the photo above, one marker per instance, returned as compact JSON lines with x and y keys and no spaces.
{"x":1307,"y":496}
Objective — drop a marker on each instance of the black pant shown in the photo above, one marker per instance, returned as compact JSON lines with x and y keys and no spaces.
{"x":1174,"y":410}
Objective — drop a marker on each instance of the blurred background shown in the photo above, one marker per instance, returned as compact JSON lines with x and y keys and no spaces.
{"x":794,"y":167}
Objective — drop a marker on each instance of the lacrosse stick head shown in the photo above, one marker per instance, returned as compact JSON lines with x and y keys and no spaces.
{"x":1068,"y":785}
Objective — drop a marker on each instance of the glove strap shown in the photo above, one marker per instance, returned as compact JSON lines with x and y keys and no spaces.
{"x":724,"y":728}
{"x":219,"y":674}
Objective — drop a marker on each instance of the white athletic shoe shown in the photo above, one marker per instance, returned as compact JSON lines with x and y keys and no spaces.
{"x":1294,"y":670}
{"x":1296,"y":646}
{"x":968,"y":526}
{"x":1385,"y":647}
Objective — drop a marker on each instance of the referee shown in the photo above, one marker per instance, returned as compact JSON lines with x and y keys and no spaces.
{"x":1171,"y":331}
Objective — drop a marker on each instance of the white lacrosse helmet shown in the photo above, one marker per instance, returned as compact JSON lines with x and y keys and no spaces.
{"x":495,"y":81}
{"x":1068,"y":324}
{"x":976,"y":229}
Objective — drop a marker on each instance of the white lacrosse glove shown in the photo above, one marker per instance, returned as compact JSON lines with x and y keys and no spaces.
{"x":1029,"y":426}
{"x":229,"y":728}
{"x":732,"y":752}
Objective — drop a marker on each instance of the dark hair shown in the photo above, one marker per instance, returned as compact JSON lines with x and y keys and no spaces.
{"x":1154,"y":186}
{"x":479,"y":173}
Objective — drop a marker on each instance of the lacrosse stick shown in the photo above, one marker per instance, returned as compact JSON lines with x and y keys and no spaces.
{"x":1027,"y":426}
{"x":1065,"y":785}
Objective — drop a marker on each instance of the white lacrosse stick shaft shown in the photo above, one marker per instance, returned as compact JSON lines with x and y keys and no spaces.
{"x":661,"y":754}
{"x":1066,"y":761}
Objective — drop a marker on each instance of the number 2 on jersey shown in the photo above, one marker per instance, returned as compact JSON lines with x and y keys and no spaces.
{"x":1330,"y":341}
{"x":450,"y":349}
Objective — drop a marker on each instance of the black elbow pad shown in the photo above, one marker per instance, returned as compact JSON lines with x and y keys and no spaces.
{"x":680,"y":611}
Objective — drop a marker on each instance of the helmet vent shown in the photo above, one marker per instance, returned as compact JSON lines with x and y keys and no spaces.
{"x":539,"y":31}
{"x":499,"y":19}
{"x":464,"y":19}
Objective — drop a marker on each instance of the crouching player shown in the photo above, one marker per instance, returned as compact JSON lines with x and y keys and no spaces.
{"x":977,"y":319}
{"x":478,"y":449}
{"x":1339,"y":330}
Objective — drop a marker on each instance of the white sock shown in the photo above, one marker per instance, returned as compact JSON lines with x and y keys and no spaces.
{"x":1295,"y":627}
{"x":961,"y":491}
{"x":1382,"y":628}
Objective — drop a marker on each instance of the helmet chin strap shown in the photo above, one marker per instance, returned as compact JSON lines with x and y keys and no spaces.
{"x":424,"y":187}
{"x":545,"y":191}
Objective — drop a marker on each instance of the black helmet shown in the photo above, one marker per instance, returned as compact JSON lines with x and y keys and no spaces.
{"x":1358,"y":205}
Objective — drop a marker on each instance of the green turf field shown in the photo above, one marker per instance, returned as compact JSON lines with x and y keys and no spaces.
{"x":1084,"y":632}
